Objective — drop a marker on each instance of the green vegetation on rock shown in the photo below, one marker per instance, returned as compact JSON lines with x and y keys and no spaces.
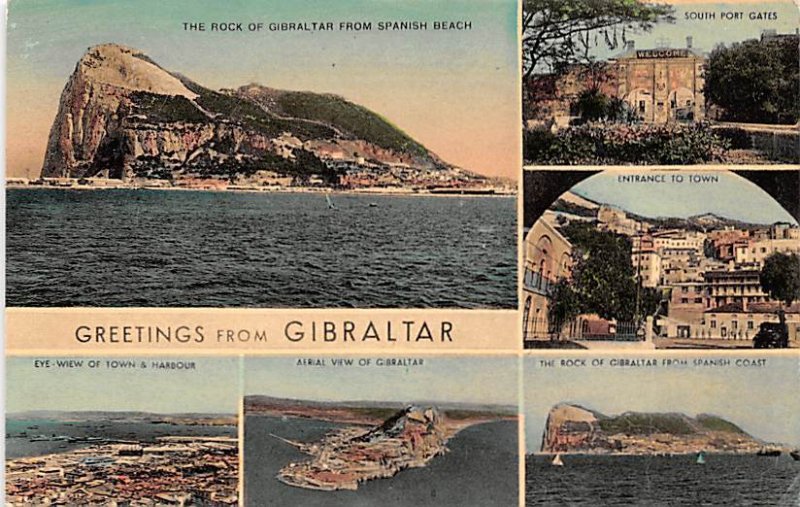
{"x":359,"y":122}
{"x":646,"y":424}
{"x":714,"y":423}
{"x":166,"y":108}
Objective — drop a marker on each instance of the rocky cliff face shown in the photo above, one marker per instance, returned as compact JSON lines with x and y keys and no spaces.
{"x":123,"y":116}
{"x":574,"y":428}
{"x":571,"y":428}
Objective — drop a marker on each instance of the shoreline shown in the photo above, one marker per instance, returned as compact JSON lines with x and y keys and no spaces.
{"x":320,"y":475}
{"x":281,"y":190}
{"x":542,"y":454}
{"x":458,"y":424}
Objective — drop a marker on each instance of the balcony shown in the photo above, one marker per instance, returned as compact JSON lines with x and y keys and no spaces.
{"x":538,"y":284}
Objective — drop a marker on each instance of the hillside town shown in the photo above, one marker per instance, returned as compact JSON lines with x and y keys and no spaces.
{"x":190,"y":471}
{"x":706,"y":272}
{"x":360,"y":176}
{"x":347,"y":457}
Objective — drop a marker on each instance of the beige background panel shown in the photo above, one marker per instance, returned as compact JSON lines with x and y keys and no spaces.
{"x":55,"y":331}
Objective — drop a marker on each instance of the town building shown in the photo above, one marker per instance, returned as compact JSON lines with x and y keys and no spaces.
{"x":755,"y":252}
{"x":680,"y":240}
{"x":617,"y":221}
{"x":647,"y":266}
{"x":687,"y":304}
{"x":733,"y":322}
{"x":724,"y":242}
{"x":547,"y":260}
{"x":660,"y":85}
{"x":734,"y":286}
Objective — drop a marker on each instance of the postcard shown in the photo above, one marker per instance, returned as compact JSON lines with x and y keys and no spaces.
{"x":675,"y":82}
{"x":420,"y":252}
{"x":644,"y":259}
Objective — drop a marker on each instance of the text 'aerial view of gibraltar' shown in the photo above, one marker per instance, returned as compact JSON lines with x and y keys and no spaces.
{"x":372,"y":190}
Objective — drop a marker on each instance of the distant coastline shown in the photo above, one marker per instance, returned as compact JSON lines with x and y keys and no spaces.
{"x":109,"y":184}
{"x":677,"y":453}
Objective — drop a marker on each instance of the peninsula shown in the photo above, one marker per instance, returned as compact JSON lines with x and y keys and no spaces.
{"x":123,"y":120}
{"x":370,"y":445}
{"x":346,"y":457}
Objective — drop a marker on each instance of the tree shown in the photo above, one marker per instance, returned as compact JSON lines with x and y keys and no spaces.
{"x":780,"y":278}
{"x":755,"y":81}
{"x":603,"y":279}
{"x":593,"y":105}
{"x":565,"y":305}
{"x":556,"y":33}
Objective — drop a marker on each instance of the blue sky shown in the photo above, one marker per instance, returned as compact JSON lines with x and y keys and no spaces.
{"x":709,"y":33}
{"x":732,"y":196}
{"x":454,"y":91}
{"x":212,"y":387}
{"x":762,"y":401}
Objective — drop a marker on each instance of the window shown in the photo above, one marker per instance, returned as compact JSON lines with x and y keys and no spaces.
{"x":525,"y":314}
{"x":684,"y":301}
{"x":735,"y":324}
{"x":713,"y":324}
{"x":684,"y":289}
{"x":750,"y":324}
{"x":698,"y":300}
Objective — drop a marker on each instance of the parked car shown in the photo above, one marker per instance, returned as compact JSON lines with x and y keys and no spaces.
{"x":771,"y":335}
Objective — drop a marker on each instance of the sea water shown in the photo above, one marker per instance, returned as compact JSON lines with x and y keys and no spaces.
{"x":195,"y":248}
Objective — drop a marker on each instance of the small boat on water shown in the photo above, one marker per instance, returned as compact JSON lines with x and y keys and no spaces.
{"x":701,"y":458}
{"x":769,"y":451}
{"x":795,"y":454}
{"x":330,"y":203}
{"x":373,"y":205}
{"x":557,"y":461}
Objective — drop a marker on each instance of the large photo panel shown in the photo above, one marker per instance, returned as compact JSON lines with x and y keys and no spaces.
{"x":619,"y":82}
{"x":362,"y":154}
{"x":667,"y":258}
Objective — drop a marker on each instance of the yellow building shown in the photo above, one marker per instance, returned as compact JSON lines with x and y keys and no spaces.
{"x":647,"y":266}
{"x":663,"y":84}
{"x":755,"y":252}
{"x":547,"y":260}
{"x":617,"y":221}
{"x":732,"y":322}
{"x":740,"y":287}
